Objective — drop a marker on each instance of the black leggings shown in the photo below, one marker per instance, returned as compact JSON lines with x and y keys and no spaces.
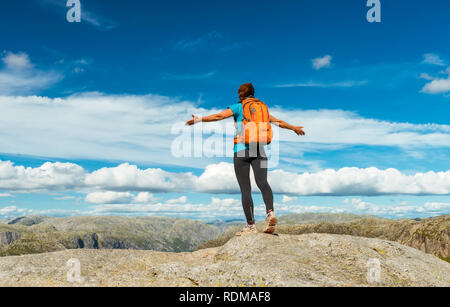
{"x":242,"y":168}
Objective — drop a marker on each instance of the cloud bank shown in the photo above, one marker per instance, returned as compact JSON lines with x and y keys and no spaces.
{"x":115,"y":183}
{"x":231,"y":209}
{"x":133,"y":128}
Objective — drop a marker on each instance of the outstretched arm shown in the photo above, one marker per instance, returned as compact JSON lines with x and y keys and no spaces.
{"x":284,"y":125}
{"x":212,"y":118}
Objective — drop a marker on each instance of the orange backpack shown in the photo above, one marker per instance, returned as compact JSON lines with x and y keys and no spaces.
{"x":256,"y":124}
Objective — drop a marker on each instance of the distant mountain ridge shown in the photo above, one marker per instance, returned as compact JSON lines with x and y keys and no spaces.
{"x":40,"y":234}
{"x":37,"y":234}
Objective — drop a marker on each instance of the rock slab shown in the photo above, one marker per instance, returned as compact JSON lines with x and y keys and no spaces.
{"x":259,"y":260}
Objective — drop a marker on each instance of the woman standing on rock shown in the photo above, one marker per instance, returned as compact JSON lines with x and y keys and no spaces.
{"x":253,"y":129}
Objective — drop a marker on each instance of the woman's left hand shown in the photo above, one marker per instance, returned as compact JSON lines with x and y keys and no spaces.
{"x":193,"y":121}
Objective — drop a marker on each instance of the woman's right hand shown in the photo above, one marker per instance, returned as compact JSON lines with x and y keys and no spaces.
{"x":193,"y":121}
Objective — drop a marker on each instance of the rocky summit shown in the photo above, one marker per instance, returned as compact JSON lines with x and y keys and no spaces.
{"x":259,"y":260}
{"x":430,"y":235}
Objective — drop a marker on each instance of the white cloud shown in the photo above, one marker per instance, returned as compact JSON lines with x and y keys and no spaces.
{"x":99,"y":22}
{"x":26,"y":82}
{"x":113,"y":197}
{"x":358,"y":204}
{"x":18,"y":60}
{"x":65,"y":198}
{"x":8,"y":212}
{"x":180,"y":200}
{"x":426,"y":76}
{"x":49,"y":176}
{"x":20,"y":76}
{"x":203,"y":76}
{"x":323,"y":62}
{"x":437,"y":86}
{"x":402,"y":209}
{"x":144,"y":197}
{"x":343,"y":84}
{"x":436,"y":206}
{"x":124,"y":209}
{"x":128,"y":177}
{"x":5,"y":195}
{"x":216,"y":179}
{"x":109,"y":197}
{"x":191,"y":44}
{"x":288,"y":199}
{"x":433,"y":59}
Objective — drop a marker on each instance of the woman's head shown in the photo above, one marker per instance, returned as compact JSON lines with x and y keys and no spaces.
{"x":246,"y":90}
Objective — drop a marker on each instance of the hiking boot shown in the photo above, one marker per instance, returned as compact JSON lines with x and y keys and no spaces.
{"x":271,"y":222}
{"x":248,"y":230}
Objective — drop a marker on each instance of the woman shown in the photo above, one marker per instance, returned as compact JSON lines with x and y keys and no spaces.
{"x":243,"y":159}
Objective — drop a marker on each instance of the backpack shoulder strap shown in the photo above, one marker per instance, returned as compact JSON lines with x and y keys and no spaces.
{"x":244,"y":105}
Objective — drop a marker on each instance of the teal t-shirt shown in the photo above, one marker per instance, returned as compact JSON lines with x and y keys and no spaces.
{"x":238,"y":114}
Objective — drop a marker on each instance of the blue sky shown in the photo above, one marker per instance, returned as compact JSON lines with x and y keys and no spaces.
{"x":374,"y":99}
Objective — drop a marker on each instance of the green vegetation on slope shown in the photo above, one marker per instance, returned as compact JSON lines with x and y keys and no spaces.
{"x":313,"y":218}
